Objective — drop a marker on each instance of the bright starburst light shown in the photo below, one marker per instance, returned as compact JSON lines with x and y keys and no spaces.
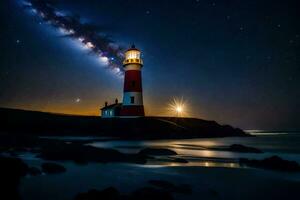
{"x":177,"y":107}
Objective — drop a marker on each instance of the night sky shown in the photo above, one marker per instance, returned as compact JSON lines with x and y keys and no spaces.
{"x":236,"y":62}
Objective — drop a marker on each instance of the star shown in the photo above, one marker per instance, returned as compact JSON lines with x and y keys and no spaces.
{"x":78,"y":100}
{"x":18,"y":41}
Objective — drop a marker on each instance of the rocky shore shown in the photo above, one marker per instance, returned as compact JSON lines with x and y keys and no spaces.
{"x":60,"y":157}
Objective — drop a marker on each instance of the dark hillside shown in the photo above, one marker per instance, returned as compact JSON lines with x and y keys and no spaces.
{"x":40,"y":123}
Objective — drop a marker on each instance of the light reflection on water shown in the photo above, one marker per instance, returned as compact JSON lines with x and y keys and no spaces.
{"x":199,"y":152}
{"x":192,"y":164}
{"x":202,"y":152}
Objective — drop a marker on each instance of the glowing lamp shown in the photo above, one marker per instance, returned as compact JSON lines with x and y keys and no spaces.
{"x":133,"y":56}
{"x":179,"y":109}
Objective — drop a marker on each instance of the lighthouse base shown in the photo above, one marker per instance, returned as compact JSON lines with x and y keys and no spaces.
{"x":132,"y":111}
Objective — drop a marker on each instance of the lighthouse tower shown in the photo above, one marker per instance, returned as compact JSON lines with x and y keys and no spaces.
{"x":132,"y":93}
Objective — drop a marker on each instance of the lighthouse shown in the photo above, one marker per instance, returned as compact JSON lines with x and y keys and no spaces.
{"x":132,"y":92}
{"x":132,"y":105}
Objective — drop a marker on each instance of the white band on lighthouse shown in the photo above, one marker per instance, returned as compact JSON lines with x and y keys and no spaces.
{"x":133,"y":67}
{"x":132,"y":99}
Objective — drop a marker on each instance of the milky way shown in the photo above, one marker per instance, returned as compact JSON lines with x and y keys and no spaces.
{"x":108,"y":52}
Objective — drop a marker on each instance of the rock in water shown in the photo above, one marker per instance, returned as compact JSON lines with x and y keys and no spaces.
{"x":274,"y":163}
{"x":52,"y":168}
{"x":11,"y":171}
{"x":170,"y":187}
{"x":106,"y":194}
{"x":146,"y":193}
{"x":163,"y":184}
{"x":149,"y":193}
{"x":34,"y":171}
{"x":180,"y":160}
{"x":157,"y":152}
{"x":80,"y":153}
{"x":243,"y":149}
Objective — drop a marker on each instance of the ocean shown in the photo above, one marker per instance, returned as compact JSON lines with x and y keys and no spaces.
{"x":202,"y":152}
{"x":207,"y":169}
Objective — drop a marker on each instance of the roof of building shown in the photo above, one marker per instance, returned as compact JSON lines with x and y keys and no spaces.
{"x":115,"y":105}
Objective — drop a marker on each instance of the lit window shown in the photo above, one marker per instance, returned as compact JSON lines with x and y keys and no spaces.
{"x":132,"y":54}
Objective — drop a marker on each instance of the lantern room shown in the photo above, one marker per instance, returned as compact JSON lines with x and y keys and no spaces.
{"x":132,"y":56}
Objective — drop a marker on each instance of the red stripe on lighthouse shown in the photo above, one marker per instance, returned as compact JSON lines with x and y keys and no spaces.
{"x":132,"y":111}
{"x":133,"y":81}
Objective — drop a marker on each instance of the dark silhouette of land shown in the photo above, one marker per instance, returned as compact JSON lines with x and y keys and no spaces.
{"x":49,"y":124}
{"x":20,"y":131}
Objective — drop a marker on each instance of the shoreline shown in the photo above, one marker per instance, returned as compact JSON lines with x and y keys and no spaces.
{"x":225,"y":180}
{"x":227,"y":183}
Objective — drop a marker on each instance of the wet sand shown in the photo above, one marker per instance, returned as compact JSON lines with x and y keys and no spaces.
{"x":206,"y":182}
{"x":211,"y":173}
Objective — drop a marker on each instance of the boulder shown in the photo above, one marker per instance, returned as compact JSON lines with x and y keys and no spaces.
{"x":149,"y":193}
{"x":180,"y":160}
{"x":52,"y":168}
{"x":170,"y":187}
{"x":163,"y":184}
{"x":11,"y":171}
{"x":273,"y":163}
{"x":213,"y":192}
{"x":107,"y":194}
{"x":82,"y":154}
{"x":157,"y":152}
{"x":146,"y":193}
{"x":243,"y":149}
{"x":34,"y":171}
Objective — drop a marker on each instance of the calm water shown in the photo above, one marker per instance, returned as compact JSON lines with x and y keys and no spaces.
{"x":200,"y":152}
{"x":127,"y":177}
